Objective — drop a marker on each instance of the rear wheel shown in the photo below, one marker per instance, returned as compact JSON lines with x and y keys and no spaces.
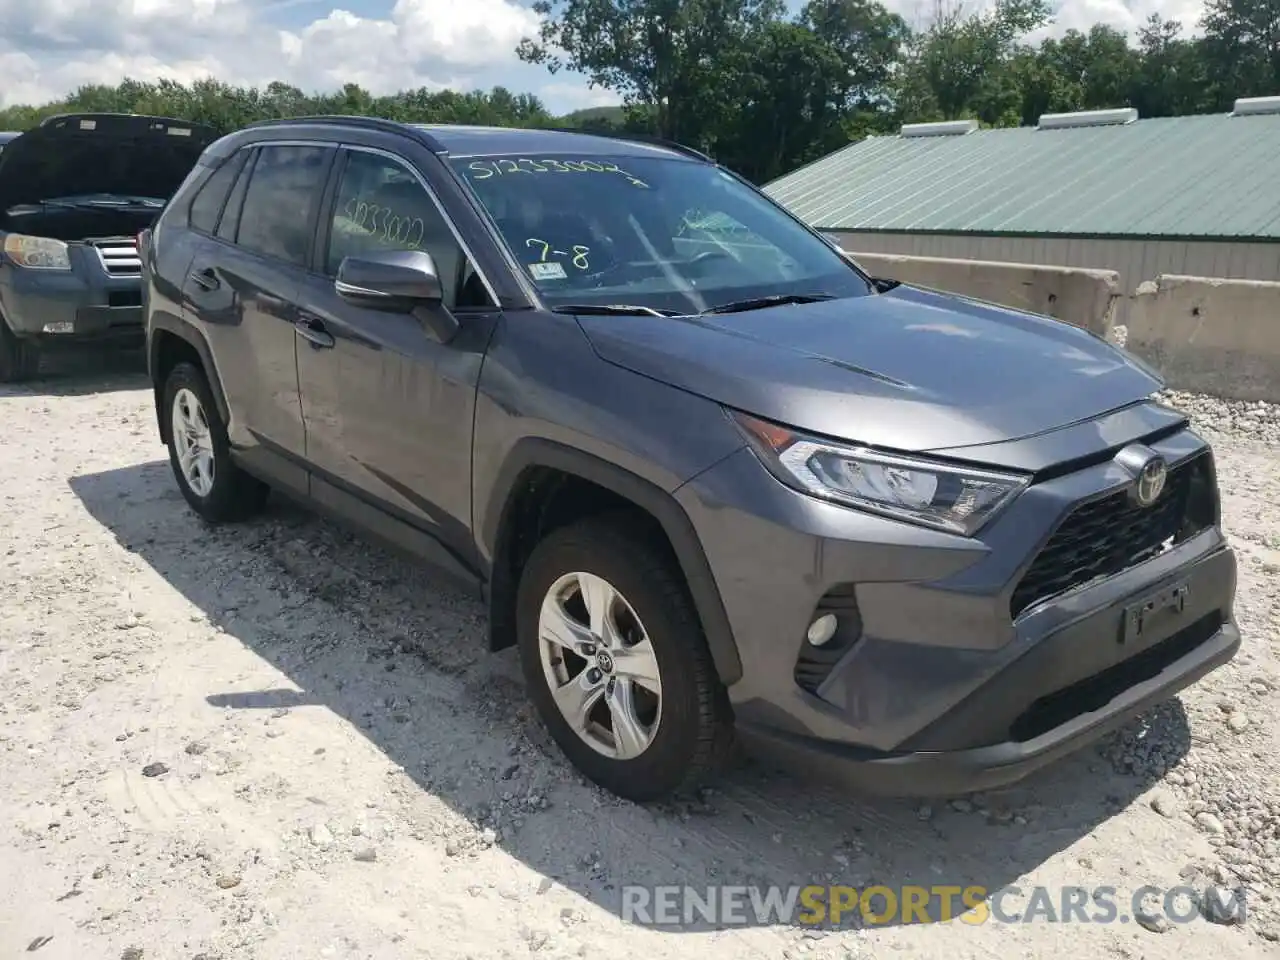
{"x":19,"y":357}
{"x":200,"y":454}
{"x":616,"y":663}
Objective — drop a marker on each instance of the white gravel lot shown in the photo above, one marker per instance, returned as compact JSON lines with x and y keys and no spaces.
{"x":275,"y":741}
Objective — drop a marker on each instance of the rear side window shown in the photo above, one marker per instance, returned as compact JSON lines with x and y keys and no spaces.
{"x":229,"y":225}
{"x":280,"y":202}
{"x":208,"y":202}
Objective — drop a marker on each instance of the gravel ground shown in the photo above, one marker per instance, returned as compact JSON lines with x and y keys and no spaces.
{"x":275,"y":741}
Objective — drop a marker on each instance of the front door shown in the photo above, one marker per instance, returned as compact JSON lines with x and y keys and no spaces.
{"x":388,"y":408}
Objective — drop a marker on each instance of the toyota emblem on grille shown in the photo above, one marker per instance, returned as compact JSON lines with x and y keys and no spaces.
{"x":1149,"y":471}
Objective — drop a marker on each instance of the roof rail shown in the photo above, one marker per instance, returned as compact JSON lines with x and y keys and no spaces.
{"x":943,"y":128}
{"x":637,"y":138}
{"x":1254,"y":106}
{"x":1087,"y":118}
{"x":368,"y":123}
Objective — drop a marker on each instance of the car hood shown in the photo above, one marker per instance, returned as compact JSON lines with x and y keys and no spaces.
{"x":909,"y":369}
{"x":100,"y":153}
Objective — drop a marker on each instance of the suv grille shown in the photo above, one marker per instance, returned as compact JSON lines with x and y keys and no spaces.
{"x":1107,"y":536}
{"x":119,"y":256}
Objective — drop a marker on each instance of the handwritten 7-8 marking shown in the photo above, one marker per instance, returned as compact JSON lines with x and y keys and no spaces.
{"x":580,"y":252}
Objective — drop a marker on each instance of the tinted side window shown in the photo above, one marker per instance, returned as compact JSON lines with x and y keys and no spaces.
{"x":283,"y":191}
{"x":230,"y":222}
{"x":381,"y":205}
{"x":208,"y":201}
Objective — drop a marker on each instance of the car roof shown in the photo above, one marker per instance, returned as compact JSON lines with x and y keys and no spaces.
{"x":7,"y":135}
{"x":470,"y":141}
{"x":462,"y":140}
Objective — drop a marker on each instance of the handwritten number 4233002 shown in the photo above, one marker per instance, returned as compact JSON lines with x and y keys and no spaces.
{"x":579,"y":252}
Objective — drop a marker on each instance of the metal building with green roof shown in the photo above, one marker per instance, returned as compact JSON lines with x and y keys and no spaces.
{"x":1195,"y":195}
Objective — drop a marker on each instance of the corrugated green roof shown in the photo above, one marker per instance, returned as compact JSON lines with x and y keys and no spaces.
{"x":1215,"y":176}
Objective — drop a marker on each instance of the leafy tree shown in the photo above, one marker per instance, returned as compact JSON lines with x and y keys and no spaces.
{"x":665,"y":53}
{"x":1242,"y":48}
{"x":958,"y":67}
{"x":1171,"y":74}
{"x":792,"y":96}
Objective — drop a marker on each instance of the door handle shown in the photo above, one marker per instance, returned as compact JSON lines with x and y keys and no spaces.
{"x":312,"y":329}
{"x":206,"y":279}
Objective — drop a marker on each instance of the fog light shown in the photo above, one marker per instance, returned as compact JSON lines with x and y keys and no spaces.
{"x":62,"y":326}
{"x":822,"y":629}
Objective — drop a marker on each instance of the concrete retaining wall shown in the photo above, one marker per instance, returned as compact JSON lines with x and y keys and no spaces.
{"x":1207,"y":335}
{"x":1084,"y":297}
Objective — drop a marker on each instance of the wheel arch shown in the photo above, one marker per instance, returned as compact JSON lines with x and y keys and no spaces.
{"x":518,"y":490}
{"x":169,"y":342}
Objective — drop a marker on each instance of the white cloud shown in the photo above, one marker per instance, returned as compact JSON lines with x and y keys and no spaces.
{"x":578,"y":96}
{"x":1125,"y":15}
{"x":49,"y":47}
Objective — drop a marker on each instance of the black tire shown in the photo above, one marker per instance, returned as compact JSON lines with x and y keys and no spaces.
{"x":19,"y":357}
{"x":234,"y":495}
{"x":694,"y":735}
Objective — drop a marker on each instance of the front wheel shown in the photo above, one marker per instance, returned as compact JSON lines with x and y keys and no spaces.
{"x":19,"y":358}
{"x":200,"y":453}
{"x":616,"y":663}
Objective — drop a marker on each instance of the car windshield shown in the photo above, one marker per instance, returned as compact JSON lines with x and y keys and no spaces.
{"x":662,"y":234}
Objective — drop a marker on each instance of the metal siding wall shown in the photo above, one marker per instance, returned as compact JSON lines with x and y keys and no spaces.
{"x":1134,"y":260}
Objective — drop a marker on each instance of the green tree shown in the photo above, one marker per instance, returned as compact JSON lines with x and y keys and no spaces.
{"x":668,"y":54}
{"x":1171,"y":75}
{"x":959,"y":66}
{"x":1242,"y":48}
{"x":793,"y":93}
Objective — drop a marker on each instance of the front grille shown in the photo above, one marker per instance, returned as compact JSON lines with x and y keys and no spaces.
{"x":1107,"y":536}
{"x":119,"y":256}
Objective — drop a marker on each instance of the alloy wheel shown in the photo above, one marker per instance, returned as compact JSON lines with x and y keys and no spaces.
{"x":193,"y":442}
{"x":600,"y":666}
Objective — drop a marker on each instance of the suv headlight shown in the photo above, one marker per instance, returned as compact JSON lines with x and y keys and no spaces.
{"x":956,"y":499}
{"x":36,"y":253}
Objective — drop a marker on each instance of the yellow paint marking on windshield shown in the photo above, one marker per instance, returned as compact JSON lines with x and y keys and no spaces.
{"x":578,"y":253}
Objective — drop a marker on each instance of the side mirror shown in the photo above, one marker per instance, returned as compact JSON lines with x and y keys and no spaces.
{"x":397,"y":281}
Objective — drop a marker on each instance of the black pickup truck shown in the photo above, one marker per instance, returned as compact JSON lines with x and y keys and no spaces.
{"x":74,"y":194}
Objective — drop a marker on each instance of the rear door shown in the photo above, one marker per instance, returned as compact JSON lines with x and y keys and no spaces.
{"x":243,"y":284}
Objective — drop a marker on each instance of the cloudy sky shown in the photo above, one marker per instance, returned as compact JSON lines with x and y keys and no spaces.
{"x":49,"y":47}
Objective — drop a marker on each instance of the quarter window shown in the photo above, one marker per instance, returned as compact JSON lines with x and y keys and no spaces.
{"x":229,"y":225}
{"x":283,"y":191}
{"x":208,"y":201}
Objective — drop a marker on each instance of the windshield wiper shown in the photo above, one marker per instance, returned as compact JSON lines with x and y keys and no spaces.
{"x":759,"y":303}
{"x":611,"y":309}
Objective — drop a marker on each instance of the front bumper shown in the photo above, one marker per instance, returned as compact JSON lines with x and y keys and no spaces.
{"x":942,"y":689}
{"x":82,"y":304}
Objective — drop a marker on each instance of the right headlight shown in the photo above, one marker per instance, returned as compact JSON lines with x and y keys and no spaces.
{"x":36,"y":253}
{"x":943,"y":496}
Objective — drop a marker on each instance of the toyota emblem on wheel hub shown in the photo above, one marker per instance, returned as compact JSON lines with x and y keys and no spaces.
{"x":604,"y":662}
{"x":1149,"y":470}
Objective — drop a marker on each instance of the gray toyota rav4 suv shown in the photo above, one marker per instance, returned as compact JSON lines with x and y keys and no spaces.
{"x":711,"y":479}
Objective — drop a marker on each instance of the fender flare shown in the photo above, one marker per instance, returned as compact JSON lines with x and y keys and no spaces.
{"x":196,"y":340}
{"x":661,"y":505}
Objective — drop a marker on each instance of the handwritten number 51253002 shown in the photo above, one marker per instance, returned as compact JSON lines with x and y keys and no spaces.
{"x":580,"y":253}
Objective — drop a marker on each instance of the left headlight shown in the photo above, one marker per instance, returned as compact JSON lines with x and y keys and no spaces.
{"x":37,"y":253}
{"x":952,"y":498}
